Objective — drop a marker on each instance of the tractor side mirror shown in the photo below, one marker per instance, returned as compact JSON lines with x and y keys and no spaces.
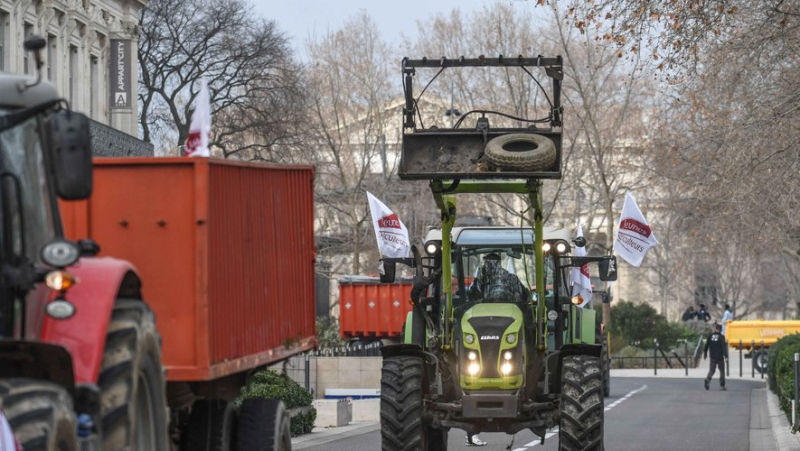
{"x":608,"y":269}
{"x":70,"y":146}
{"x":387,"y":271}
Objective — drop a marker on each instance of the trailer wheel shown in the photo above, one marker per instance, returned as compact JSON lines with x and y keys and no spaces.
{"x":581,"y":407}
{"x":521,"y":152}
{"x":264,"y":426}
{"x":212,"y":426}
{"x":132,"y":381}
{"x":402,"y":426}
{"x":760,"y":361}
{"x":40,"y":414}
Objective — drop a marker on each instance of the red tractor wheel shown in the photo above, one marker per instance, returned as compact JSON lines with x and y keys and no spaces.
{"x":131,"y":380}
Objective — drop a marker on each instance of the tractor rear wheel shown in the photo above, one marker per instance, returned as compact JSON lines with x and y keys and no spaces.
{"x":402,"y":427}
{"x":132,"y":381}
{"x":212,"y":426}
{"x":40,"y":414}
{"x":264,"y":425}
{"x":581,"y":425}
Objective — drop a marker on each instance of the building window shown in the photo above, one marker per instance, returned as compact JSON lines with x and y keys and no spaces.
{"x":93,"y":87}
{"x":27,"y":60}
{"x":73,"y":73}
{"x":52,"y":52}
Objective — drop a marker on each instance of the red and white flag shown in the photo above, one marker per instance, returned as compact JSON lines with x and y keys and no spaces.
{"x":390,"y":231}
{"x":634,"y":237}
{"x":197,"y":142}
{"x":581,"y":282}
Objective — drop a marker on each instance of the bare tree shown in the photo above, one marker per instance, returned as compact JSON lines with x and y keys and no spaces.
{"x":350,"y":95}
{"x":246,"y":60}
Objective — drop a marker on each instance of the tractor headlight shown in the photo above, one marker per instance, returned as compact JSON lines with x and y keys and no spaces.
{"x":474,"y":368}
{"x":472,"y":355}
{"x":469,"y":338}
{"x":432,"y":248}
{"x":546,"y":247}
{"x":508,"y":355}
{"x":60,"y":253}
{"x":506,"y":368}
{"x":511,"y":338}
{"x":561,"y":247}
{"x":577,"y":300}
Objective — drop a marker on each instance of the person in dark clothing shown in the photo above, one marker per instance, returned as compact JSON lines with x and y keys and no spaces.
{"x":494,"y":284}
{"x":719,"y":355}
{"x":689,"y":314}
{"x":702,"y":314}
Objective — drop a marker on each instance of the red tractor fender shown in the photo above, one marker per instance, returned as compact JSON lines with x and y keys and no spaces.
{"x":101,"y":281}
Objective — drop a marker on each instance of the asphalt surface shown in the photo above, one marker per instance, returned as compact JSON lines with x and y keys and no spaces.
{"x":642,"y":414}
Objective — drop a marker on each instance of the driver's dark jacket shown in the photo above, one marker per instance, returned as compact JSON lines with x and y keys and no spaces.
{"x":495,"y":284}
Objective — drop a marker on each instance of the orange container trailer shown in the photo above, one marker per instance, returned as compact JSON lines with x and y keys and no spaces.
{"x":225,"y":251}
{"x":371,"y":310}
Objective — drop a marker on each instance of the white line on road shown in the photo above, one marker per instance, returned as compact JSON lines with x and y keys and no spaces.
{"x":609,"y":407}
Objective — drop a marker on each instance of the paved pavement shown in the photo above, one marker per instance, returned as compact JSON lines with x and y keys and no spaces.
{"x":652,"y":413}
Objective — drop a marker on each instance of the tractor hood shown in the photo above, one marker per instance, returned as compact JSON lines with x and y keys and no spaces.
{"x":488,"y":331}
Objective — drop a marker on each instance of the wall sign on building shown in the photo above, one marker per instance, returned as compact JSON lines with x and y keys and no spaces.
{"x":120,"y":72}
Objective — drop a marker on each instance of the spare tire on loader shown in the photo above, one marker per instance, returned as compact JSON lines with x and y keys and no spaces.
{"x":522,"y":152}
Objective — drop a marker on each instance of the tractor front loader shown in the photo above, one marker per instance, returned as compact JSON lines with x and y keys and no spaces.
{"x":494,"y":342}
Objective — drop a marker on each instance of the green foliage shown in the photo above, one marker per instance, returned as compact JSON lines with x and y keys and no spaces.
{"x":784,"y":375}
{"x":640,"y":324}
{"x":271,"y":385}
{"x":772,"y":358}
{"x":328,"y":332}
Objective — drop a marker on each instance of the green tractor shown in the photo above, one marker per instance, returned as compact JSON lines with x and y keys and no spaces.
{"x":495,"y":342}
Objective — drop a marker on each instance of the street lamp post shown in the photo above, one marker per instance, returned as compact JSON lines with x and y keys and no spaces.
{"x":452,"y":113}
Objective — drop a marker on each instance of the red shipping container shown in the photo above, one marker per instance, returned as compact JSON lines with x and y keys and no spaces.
{"x":225,"y":250}
{"x":371,"y":309}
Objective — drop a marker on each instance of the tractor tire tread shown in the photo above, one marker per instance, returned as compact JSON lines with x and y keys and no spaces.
{"x":40,"y":413}
{"x":582,"y":410}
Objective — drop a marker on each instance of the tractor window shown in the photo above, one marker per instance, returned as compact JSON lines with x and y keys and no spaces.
{"x":23,"y":178}
{"x":512,"y":261}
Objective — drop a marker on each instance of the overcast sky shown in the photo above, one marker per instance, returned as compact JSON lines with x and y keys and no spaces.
{"x":301,"y":19}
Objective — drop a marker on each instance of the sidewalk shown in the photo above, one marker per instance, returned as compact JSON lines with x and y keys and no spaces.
{"x":321,"y":436}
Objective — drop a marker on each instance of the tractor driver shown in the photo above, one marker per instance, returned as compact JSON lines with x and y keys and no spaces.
{"x":494,"y":284}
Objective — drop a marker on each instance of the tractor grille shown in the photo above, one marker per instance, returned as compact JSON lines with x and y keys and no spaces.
{"x":490,"y":349}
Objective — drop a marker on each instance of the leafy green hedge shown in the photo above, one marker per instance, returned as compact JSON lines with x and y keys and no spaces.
{"x":772,"y":358}
{"x":269,"y":384}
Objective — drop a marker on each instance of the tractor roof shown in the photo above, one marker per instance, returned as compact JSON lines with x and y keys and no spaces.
{"x":501,"y":236}
{"x":12,"y":98}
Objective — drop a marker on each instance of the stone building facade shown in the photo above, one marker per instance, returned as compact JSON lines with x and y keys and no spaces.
{"x":83,"y":37}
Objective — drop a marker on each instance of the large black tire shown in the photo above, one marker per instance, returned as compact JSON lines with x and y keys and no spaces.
{"x":521,"y":152}
{"x":402,"y":427}
{"x":132,"y":381}
{"x":212,"y":426}
{"x":264,"y":425}
{"x":582,"y":408}
{"x":40,"y":414}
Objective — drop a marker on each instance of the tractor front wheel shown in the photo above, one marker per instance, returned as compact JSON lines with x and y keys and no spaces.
{"x":402,"y":426}
{"x":581,"y":425}
{"x":132,"y":381}
{"x":40,"y":414}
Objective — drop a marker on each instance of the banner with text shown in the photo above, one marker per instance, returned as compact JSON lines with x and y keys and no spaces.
{"x":120,"y":72}
{"x":390,"y":231}
{"x":634,"y":236}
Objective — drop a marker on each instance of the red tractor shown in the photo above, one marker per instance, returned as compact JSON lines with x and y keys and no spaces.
{"x":80,"y":356}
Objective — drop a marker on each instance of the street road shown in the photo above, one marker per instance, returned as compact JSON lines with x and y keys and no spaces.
{"x":642,"y":414}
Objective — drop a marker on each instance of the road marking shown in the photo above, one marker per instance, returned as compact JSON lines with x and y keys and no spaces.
{"x":609,"y":407}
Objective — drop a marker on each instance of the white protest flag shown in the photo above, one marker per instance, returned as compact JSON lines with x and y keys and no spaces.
{"x":197,"y":142}
{"x":634,"y":237}
{"x":581,"y":283}
{"x":390,"y":231}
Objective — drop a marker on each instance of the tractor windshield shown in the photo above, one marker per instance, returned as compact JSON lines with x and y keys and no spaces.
{"x":27,"y":208}
{"x":497,"y":273}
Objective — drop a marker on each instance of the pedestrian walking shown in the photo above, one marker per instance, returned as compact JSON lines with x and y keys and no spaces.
{"x":702,"y":314}
{"x":719,"y":355}
{"x":474,"y":440}
{"x":727,"y":316}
